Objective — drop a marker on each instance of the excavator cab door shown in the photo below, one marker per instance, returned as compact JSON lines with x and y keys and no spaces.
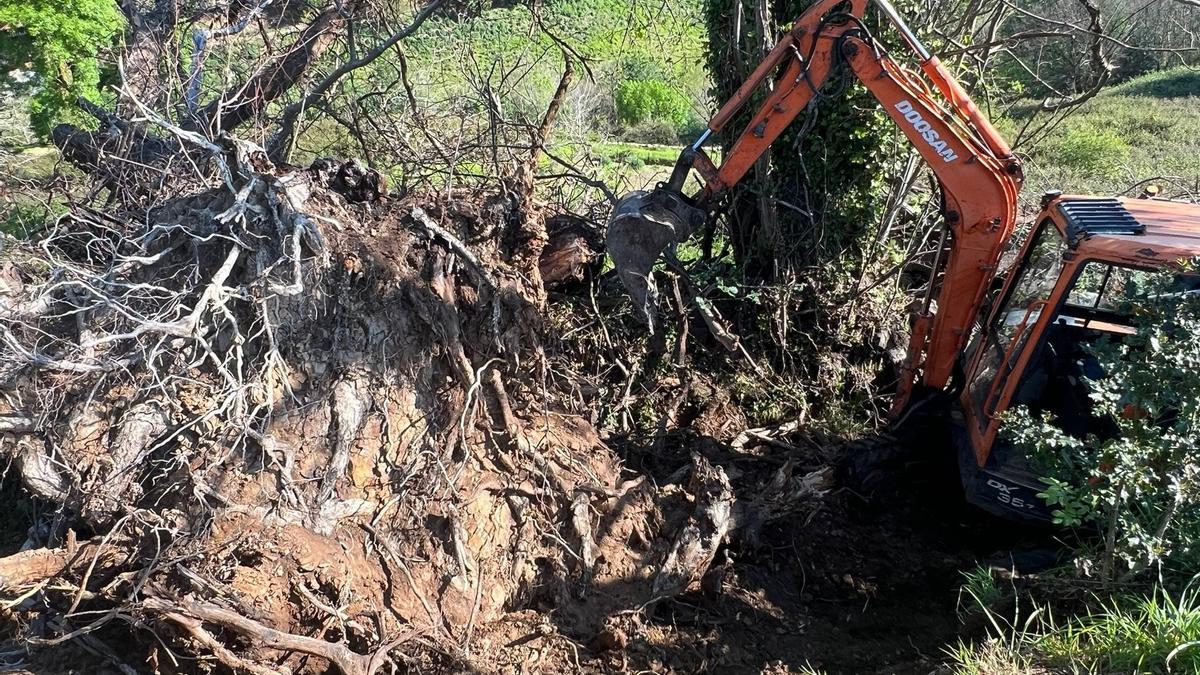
{"x":995,"y":361}
{"x":999,"y":339}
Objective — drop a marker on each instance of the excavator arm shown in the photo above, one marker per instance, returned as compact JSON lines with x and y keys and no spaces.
{"x":977,"y":172}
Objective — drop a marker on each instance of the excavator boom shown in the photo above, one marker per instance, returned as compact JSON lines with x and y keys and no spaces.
{"x":978,"y":174}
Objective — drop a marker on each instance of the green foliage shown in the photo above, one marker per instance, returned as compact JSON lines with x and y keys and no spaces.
{"x":979,"y":591}
{"x":641,"y":101}
{"x":1141,"y":485}
{"x":633,"y":67}
{"x":1093,"y":150}
{"x":60,"y":42}
{"x":657,"y":132}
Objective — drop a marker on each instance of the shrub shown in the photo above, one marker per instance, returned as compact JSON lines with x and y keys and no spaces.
{"x":1141,"y":485}
{"x":641,"y":101}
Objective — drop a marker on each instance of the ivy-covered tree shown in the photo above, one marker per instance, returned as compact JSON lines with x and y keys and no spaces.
{"x":59,"y":42}
{"x":827,"y":166}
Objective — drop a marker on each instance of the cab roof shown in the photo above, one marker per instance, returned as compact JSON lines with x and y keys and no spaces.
{"x":1153,"y":232}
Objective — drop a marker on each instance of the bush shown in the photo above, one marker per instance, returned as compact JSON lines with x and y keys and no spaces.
{"x":640,"y":101}
{"x":1094,"y":150}
{"x":1140,"y":485}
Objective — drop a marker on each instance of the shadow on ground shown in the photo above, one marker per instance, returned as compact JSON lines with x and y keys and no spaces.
{"x":855,"y":586}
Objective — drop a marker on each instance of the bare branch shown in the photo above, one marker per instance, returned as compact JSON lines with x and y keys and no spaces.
{"x":281,"y":145}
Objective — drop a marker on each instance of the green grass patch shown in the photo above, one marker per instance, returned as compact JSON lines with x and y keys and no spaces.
{"x":1173,"y":83}
{"x":1154,"y":633}
{"x":35,"y":163}
{"x":979,"y":591}
{"x":636,"y":155}
{"x":1145,"y":128}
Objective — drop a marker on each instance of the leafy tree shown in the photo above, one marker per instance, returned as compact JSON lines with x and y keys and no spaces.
{"x":59,"y":41}
{"x":1141,"y":484}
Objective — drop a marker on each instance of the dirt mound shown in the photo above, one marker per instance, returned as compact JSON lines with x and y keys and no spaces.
{"x":284,"y":421}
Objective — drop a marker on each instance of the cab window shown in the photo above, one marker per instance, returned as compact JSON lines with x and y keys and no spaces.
{"x":1106,"y":290}
{"x":1103,"y":304}
{"x":1017,"y":314}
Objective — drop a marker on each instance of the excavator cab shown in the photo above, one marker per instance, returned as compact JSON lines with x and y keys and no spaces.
{"x":1068,"y":289}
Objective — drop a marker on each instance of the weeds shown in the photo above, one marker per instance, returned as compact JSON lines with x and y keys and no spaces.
{"x":1150,"y":634}
{"x":979,"y":586}
{"x":993,"y":657}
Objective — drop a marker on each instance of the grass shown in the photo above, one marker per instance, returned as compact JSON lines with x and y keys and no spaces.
{"x":1173,"y":83}
{"x":1145,"y":128}
{"x":20,"y":212}
{"x":33,"y":163}
{"x":632,"y":154}
{"x":1154,"y":633}
{"x":979,"y":590}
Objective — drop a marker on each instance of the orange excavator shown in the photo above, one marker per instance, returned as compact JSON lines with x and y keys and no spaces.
{"x":984,"y":339}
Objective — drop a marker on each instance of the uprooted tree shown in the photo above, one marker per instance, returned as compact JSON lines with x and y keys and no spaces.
{"x":275,"y":413}
{"x":272,"y":413}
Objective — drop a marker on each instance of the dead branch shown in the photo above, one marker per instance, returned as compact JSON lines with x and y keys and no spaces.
{"x":246,"y":101}
{"x":697,"y":543}
{"x":35,"y":566}
{"x":281,"y":145}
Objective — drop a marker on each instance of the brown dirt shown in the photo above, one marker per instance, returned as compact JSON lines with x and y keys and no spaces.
{"x":851,"y":588}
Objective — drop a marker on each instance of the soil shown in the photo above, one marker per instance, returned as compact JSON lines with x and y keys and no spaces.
{"x":856,"y":587}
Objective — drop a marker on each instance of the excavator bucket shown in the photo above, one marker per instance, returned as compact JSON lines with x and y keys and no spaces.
{"x":642,"y":227}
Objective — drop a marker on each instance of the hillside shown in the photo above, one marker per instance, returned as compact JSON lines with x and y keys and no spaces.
{"x":1145,"y":129}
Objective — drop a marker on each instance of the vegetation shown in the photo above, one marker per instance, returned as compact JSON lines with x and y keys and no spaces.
{"x":640,"y":101}
{"x":1138,"y":480}
{"x":1158,"y":632}
{"x":1145,"y":128}
{"x":58,"y":42}
{"x":556,"y":107}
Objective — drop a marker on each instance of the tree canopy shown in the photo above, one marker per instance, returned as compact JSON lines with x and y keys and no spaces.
{"x":59,"y":43}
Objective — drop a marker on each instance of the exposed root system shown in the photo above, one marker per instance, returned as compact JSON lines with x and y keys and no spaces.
{"x":287,"y":423}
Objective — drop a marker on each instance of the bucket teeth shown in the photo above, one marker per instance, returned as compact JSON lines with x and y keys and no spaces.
{"x":643,"y":225}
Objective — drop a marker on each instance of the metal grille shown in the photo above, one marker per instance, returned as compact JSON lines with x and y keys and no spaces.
{"x":1086,"y":217}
